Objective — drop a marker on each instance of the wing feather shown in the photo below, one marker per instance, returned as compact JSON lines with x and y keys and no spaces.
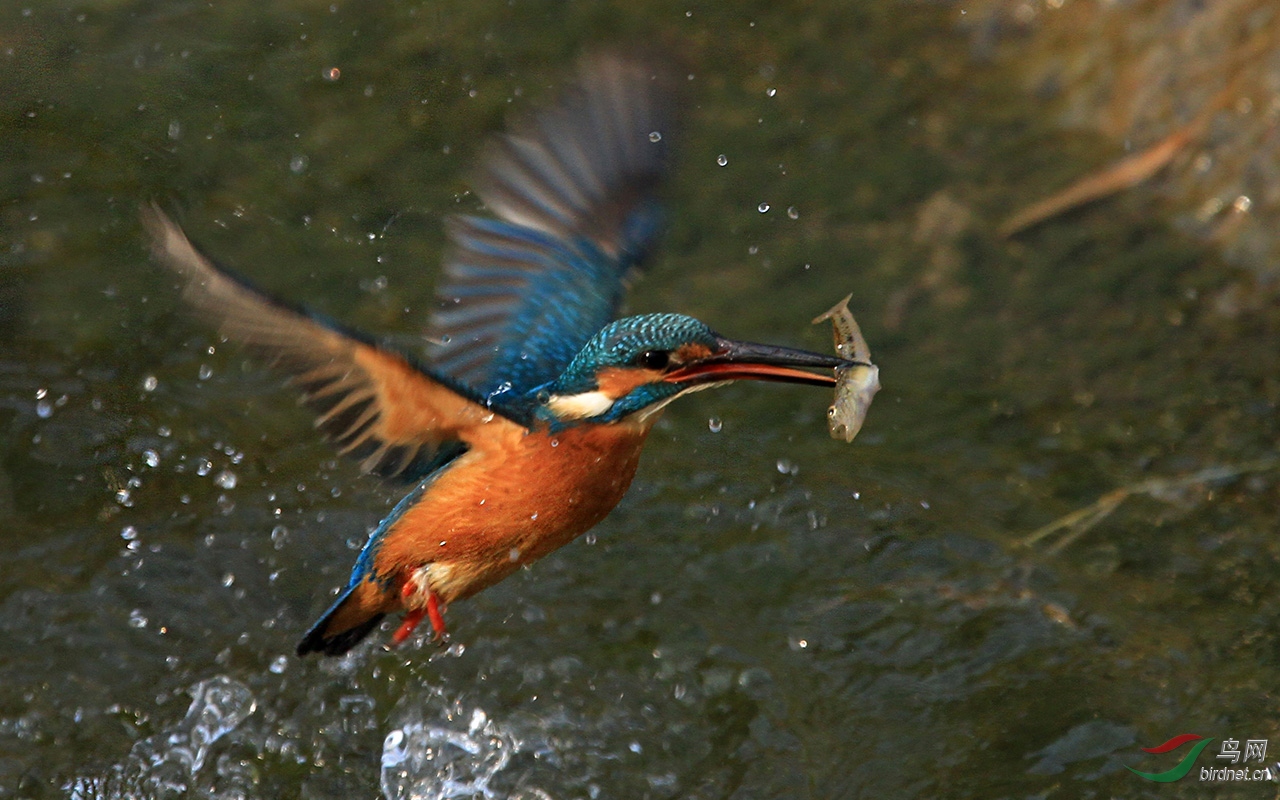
{"x":572,"y":188}
{"x":379,"y":408}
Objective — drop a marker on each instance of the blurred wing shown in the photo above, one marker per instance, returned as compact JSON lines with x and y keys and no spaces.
{"x":573,"y":189}
{"x":389,"y":414}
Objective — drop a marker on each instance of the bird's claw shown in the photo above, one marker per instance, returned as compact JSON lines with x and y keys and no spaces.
{"x":412,"y":618}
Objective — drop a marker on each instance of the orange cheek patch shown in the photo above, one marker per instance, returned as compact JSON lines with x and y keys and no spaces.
{"x":616,"y":382}
{"x":692,"y":352}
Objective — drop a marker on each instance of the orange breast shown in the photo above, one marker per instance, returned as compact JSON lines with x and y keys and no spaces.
{"x":511,"y":499}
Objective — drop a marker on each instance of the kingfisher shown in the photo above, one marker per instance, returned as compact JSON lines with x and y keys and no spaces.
{"x":521,"y":426}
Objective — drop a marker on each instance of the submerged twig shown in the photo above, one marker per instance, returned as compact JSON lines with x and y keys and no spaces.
{"x":1123,"y":174}
{"x":1081,"y":521}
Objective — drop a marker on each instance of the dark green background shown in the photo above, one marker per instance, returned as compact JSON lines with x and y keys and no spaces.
{"x":770,"y":613}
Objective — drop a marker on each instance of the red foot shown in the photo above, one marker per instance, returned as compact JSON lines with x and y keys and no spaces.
{"x":437,"y":618}
{"x":414,"y":617}
{"x":411,"y":621}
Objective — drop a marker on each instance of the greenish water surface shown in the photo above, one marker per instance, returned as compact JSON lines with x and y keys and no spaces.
{"x":769,"y":613}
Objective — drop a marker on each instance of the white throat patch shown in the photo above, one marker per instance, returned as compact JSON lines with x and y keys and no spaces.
{"x":580,"y":406}
{"x":595,"y":403}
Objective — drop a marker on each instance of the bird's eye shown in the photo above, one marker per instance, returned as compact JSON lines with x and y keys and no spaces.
{"x":653,"y":359}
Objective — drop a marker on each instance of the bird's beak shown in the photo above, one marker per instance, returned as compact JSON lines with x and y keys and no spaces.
{"x":735,"y":361}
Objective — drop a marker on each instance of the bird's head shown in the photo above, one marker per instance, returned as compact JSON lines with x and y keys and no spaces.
{"x":636,"y":365}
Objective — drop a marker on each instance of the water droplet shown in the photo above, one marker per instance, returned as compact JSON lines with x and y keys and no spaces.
{"x":136,"y":620}
{"x":205,"y":372}
{"x":151,"y":457}
{"x":722,"y":159}
{"x":534,"y":515}
{"x":150,"y":383}
{"x":226,"y":479}
{"x":715,"y":425}
{"x":762,"y":208}
{"x":635,"y":747}
{"x":175,"y":130}
{"x":279,"y":535}
{"x":332,"y":74}
{"x":771,"y":92}
{"x":514,"y":554}
{"x":788,"y":467}
{"x":298,"y":164}
{"x":228,"y":579}
{"x":655,"y":598}
{"x":128,"y":533}
{"x":655,"y":136}
{"x":279,"y":665}
{"x":44,"y":409}
{"x":793,"y":212}
{"x":42,"y":394}
{"x":204,"y":467}
{"x":590,"y":538}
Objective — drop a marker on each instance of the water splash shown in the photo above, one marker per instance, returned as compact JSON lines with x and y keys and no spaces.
{"x":502,"y":388}
{"x":168,"y":763}
{"x":425,"y":761}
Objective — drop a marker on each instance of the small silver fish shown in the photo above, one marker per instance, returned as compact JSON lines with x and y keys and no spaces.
{"x":856,"y":384}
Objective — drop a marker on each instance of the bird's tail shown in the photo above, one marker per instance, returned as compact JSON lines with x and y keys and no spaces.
{"x":355,"y":613}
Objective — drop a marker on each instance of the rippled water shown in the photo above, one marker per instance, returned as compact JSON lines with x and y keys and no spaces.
{"x":769,"y":613}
